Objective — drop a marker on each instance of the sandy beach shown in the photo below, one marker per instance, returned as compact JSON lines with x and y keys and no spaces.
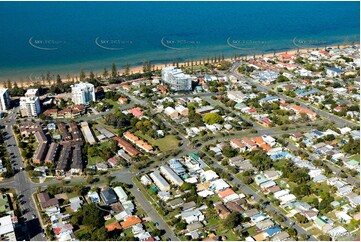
{"x":139,"y":69}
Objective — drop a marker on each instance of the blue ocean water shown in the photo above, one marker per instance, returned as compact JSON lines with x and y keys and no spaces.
{"x":62,"y":37}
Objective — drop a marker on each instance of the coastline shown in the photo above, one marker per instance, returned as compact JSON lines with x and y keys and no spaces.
{"x":139,"y":69}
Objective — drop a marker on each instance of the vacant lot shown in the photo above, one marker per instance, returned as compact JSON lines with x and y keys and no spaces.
{"x":167,"y":143}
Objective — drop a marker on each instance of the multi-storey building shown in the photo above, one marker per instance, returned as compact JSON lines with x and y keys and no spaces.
{"x":83,"y":93}
{"x":177,"y":80}
{"x":4,"y":99}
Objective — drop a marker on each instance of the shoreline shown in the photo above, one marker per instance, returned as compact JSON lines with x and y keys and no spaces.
{"x":139,"y":69}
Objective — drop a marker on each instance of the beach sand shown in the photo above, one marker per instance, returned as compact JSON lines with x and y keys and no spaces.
{"x":139,"y":69}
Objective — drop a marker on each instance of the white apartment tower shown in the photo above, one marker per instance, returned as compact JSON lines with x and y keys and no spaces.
{"x":30,"y":106}
{"x":4,"y":99}
{"x":32,"y":93}
{"x":175,"y":77}
{"x":83,"y":93}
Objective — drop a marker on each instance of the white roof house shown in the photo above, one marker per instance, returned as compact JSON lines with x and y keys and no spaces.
{"x":170,"y":111}
{"x":94,"y":197}
{"x":192,"y":216}
{"x":281,"y":193}
{"x":122,"y":196}
{"x":219,"y":185}
{"x":208,"y":175}
{"x":159,"y":181}
{"x":315,"y":172}
{"x":181,"y":109}
{"x":345,"y":130}
{"x":287,"y":198}
{"x":128,"y":205}
{"x":344,"y":190}
{"x":171,"y":176}
{"x":145,"y":180}
{"x":269,"y":140}
{"x":205,"y":193}
{"x":75,"y":203}
{"x":337,"y":232}
{"x":122,"y":215}
{"x":267,"y":184}
{"x":343,"y":217}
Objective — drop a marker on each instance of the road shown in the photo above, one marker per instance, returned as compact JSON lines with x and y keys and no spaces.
{"x":340,"y":122}
{"x":248,"y":191}
{"x":21,"y":182}
{"x":350,"y":179}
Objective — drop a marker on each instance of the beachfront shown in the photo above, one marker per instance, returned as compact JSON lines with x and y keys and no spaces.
{"x":74,"y":75}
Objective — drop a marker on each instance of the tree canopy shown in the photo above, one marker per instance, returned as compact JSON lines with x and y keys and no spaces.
{"x":212,"y":118}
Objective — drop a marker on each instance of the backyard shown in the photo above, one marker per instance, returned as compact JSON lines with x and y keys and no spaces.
{"x":167,"y":143}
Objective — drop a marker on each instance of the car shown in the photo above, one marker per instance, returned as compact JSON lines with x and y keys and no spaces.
{"x":168,"y":239}
{"x":33,"y":216}
{"x":265,"y":204}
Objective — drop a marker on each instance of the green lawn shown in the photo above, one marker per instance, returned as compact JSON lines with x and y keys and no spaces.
{"x":308,"y":198}
{"x":252,"y":231}
{"x":167,"y":143}
{"x":322,"y":186}
{"x":101,"y":121}
{"x":112,"y":220}
{"x":213,"y":222}
{"x":231,"y":236}
{"x":94,"y":160}
{"x":115,"y":104}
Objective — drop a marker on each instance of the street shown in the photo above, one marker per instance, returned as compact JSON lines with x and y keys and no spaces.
{"x":21,"y":182}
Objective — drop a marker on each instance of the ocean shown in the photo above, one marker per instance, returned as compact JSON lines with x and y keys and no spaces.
{"x":63,"y":37}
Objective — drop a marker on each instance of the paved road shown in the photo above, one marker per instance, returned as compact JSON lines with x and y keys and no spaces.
{"x":247,"y":190}
{"x":152,"y":212}
{"x":21,"y":182}
{"x":340,"y":122}
{"x":350,"y":179}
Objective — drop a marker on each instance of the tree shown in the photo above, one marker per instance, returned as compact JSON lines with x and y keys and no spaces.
{"x":127,"y":69}
{"x":114,"y":70}
{"x":302,"y":190}
{"x":324,"y":237}
{"x":100,"y":234}
{"x":212,"y":118}
{"x":82,"y":75}
{"x":91,"y":215}
{"x":58,"y":79}
{"x":181,"y":225}
{"x":261,"y":160}
{"x":292,"y":232}
{"x":105,"y":72}
{"x":282,"y":78}
{"x":301,"y":218}
{"x":228,"y":151}
{"x":91,"y":76}
{"x":300,"y":176}
{"x":232,"y":220}
{"x":9,"y":85}
{"x":352,"y":147}
{"x":92,"y":151}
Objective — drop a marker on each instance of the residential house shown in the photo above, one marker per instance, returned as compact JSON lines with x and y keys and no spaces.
{"x":222,"y":210}
{"x":108,"y":196}
{"x":171,"y":112}
{"x":45,"y":201}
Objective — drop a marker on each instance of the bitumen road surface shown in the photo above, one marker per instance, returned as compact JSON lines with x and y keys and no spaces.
{"x":21,"y":182}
